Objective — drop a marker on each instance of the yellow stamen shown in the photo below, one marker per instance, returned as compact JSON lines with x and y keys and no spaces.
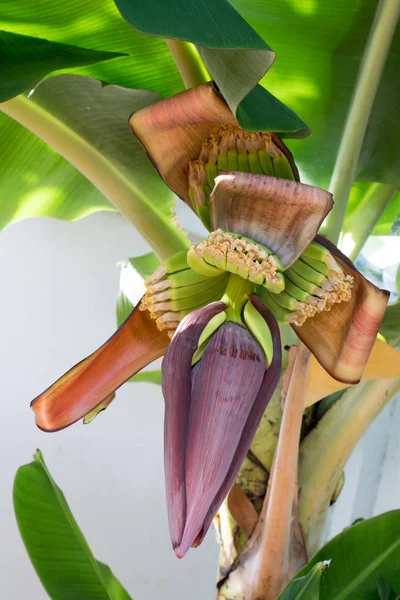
{"x":222,"y":247}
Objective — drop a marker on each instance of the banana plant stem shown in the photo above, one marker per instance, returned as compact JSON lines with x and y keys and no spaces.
{"x":366,"y":216}
{"x":161,"y":233}
{"x":327,"y":448}
{"x":188,"y":62}
{"x":273,"y":565}
{"x":370,"y":74}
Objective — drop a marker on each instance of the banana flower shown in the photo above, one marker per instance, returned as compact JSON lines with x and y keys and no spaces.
{"x":262,"y":263}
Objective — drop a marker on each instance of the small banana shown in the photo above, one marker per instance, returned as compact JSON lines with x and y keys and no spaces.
{"x":207,"y":332}
{"x":276,"y":287}
{"x":319,"y":266}
{"x":282,"y":167}
{"x":259,"y":329}
{"x":302,"y":283}
{"x":243,"y":162}
{"x":280,"y":313}
{"x":286,"y":301}
{"x":254,"y":164}
{"x":266,"y":163}
{"x":307,"y":272}
{"x":316,"y":251}
{"x":208,"y":294}
{"x":296,"y":292}
{"x":198,"y":265}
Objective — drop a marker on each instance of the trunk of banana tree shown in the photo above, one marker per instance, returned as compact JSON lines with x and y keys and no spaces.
{"x":273,"y":517}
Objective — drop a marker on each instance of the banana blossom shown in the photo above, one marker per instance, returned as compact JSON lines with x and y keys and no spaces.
{"x":221,"y":301}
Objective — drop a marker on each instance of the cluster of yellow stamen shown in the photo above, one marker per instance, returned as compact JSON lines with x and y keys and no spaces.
{"x":174,"y":290}
{"x":165,"y":318}
{"x":336,"y":288}
{"x":230,"y":148}
{"x":238,"y":255}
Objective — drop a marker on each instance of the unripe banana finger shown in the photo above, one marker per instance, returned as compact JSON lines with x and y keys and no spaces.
{"x":302,"y":283}
{"x":308,"y":272}
{"x":316,"y":264}
{"x":281,"y":314}
{"x":222,"y":162}
{"x":196,"y":288}
{"x":176,"y":262}
{"x":254,"y":164}
{"x":286,"y":301}
{"x":275,"y":287}
{"x":233,"y":161}
{"x":296,"y":292}
{"x":211,"y":170}
{"x":207,"y":332}
{"x":316,"y":251}
{"x":198,"y":265}
{"x":266,"y":163}
{"x":243,"y":163}
{"x":282,"y":168}
{"x":259,"y":329}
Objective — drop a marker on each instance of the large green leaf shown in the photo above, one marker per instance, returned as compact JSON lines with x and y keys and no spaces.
{"x":306,"y":587}
{"x":235,"y":55}
{"x":55,"y":544}
{"x":38,"y":182}
{"x":358,"y":556}
{"x":88,"y":123}
{"x":25,"y":60}
{"x":98,"y":26}
{"x":390,"y":326}
{"x":319,"y":47}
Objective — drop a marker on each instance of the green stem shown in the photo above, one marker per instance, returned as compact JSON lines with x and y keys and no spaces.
{"x":160,"y":232}
{"x":236,"y":296}
{"x":372,"y":66}
{"x":189,"y":63}
{"x":367,"y":214}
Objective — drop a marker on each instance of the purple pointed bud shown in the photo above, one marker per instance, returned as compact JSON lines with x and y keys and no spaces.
{"x":212,"y":411}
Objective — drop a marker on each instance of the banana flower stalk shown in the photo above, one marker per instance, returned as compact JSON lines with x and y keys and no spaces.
{"x":262,"y":263}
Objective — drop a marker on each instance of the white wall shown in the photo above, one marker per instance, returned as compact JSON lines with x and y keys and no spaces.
{"x":59,"y":282}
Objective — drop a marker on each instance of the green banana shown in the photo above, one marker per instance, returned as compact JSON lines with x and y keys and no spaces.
{"x":310,"y":274}
{"x":286,"y":301}
{"x":189,"y":290}
{"x":316,"y":251}
{"x":210,"y":259}
{"x":211,"y":170}
{"x":280,"y":313}
{"x":187,"y":277}
{"x":233,"y":161}
{"x":243,"y":163}
{"x":316,"y":264}
{"x":266,"y":163}
{"x":176,"y":262}
{"x":282,"y":167}
{"x":207,"y":332}
{"x":259,"y":329}
{"x":200,"y":299}
{"x":296,"y":292}
{"x":302,"y":283}
{"x":222,"y":162}
{"x":254,"y":164}
{"x":276,"y":287}
{"x":200,"y":266}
